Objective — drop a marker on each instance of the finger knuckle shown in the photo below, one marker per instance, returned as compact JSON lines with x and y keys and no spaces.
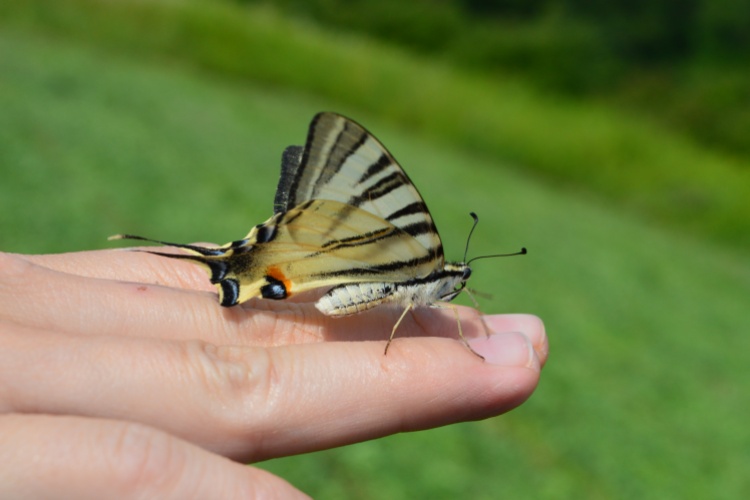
{"x":241,"y":381}
{"x":143,"y":459}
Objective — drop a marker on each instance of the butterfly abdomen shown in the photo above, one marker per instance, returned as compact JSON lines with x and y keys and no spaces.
{"x":354,"y":298}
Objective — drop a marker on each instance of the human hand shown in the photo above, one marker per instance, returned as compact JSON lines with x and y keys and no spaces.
{"x":109,"y":382}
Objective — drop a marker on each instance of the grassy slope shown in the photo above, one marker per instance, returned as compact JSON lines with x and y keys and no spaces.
{"x":646,"y":391}
{"x":644,"y":167}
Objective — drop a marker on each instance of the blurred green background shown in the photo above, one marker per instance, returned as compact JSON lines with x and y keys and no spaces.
{"x":610,"y":138}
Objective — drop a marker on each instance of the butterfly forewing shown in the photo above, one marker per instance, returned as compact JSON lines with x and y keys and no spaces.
{"x":343,"y":162}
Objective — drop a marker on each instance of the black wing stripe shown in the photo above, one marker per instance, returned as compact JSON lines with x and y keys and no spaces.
{"x":381,"y":164}
{"x":379,"y":189}
{"x":360,"y":239}
{"x":379,"y":236}
{"x":290,"y":216}
{"x":348,"y":151}
{"x":417,"y":207}
{"x":418,"y":228}
{"x":389,"y":267}
{"x":327,"y":171}
{"x":427,"y":227}
{"x":293,"y":186}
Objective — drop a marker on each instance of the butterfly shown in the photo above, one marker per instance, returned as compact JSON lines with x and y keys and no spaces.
{"x":346,"y":217}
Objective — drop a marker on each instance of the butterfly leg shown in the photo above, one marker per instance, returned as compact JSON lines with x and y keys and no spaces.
{"x":460,"y":331}
{"x":393,"y":332}
{"x":470,"y":293}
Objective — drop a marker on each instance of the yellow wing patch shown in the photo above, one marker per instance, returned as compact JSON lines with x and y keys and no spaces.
{"x":321,"y":243}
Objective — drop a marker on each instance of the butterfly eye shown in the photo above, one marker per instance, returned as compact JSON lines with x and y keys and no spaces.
{"x":466,"y":275}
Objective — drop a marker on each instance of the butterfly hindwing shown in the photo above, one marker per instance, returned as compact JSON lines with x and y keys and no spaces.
{"x":319,"y":243}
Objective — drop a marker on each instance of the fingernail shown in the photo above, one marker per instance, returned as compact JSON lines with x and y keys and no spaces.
{"x":529,"y":324}
{"x":506,"y":349}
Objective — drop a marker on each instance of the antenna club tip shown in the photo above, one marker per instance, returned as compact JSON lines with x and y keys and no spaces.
{"x":474,"y":216}
{"x":116,"y":237}
{"x":524,"y":251}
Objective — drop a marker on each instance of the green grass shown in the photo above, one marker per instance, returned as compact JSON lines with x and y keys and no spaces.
{"x":646,"y":392}
{"x":645,"y":168}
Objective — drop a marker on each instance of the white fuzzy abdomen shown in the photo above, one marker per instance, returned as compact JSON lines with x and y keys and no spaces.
{"x":354,"y":298}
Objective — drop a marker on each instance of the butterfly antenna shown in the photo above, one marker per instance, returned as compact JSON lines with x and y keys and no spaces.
{"x":468,"y":240}
{"x":520,"y":252}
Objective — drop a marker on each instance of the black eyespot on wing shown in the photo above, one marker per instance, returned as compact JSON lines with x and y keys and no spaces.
{"x":230,"y":292}
{"x":218,"y":270}
{"x":274,"y":289}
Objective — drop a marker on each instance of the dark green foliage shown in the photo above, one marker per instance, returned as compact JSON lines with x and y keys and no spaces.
{"x":611,"y":49}
{"x":633,"y":31}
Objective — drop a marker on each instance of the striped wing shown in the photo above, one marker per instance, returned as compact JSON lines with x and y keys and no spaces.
{"x":319,"y":243}
{"x":344,"y":162}
{"x":345,"y":212}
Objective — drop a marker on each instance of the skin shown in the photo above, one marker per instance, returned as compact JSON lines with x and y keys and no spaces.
{"x":119,"y":372}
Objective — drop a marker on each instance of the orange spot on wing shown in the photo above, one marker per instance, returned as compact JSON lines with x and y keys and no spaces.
{"x":276,"y":273}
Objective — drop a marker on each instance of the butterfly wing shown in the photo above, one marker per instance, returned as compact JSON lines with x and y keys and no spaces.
{"x":345,"y":212}
{"x":318,"y":243}
{"x":342,"y":161}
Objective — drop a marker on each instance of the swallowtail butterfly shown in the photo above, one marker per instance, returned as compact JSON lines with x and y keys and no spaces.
{"x":347,"y":217}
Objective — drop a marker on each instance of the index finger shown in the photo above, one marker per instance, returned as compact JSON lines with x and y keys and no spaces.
{"x":127,"y":264}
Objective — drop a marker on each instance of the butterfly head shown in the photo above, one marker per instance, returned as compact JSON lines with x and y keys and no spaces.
{"x":456,"y":274}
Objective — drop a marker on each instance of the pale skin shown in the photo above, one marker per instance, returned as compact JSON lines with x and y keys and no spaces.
{"x":120,"y":373}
